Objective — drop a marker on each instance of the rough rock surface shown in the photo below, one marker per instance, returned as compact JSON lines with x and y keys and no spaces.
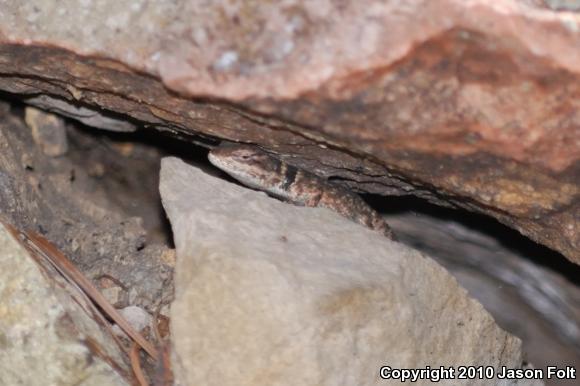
{"x":473,"y":103}
{"x":48,"y":131}
{"x":272,"y":294}
{"x":514,"y":281}
{"x":84,"y":202}
{"x":46,"y":338}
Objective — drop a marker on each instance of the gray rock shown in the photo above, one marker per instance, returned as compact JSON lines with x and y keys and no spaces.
{"x":272,"y":294}
{"x":85,"y":115}
{"x":45,"y":337}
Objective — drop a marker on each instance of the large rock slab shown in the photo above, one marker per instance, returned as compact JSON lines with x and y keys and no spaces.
{"x":272,"y":294}
{"x":46,"y":338}
{"x":473,"y":103}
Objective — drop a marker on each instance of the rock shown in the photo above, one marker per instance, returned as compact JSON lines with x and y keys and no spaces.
{"x":94,"y":220}
{"x":112,"y":291}
{"x":284,"y":295}
{"x":137,"y":317}
{"x":564,"y":5}
{"x":89,"y":117}
{"x":525,"y":296}
{"x":48,"y":131}
{"x":46,"y":338}
{"x":469,"y":103}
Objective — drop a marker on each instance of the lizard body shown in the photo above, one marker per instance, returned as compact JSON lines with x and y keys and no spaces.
{"x":259,"y":170}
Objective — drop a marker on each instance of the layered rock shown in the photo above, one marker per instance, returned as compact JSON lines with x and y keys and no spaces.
{"x":469,"y":103}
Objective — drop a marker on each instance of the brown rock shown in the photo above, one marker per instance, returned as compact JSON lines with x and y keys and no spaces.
{"x":469,"y":103}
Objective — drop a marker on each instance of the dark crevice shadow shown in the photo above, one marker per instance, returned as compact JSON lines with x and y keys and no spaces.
{"x":509,"y":238}
{"x":166,"y":145}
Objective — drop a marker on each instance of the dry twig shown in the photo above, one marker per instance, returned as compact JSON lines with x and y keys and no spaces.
{"x":136,"y":365}
{"x":39,"y":246}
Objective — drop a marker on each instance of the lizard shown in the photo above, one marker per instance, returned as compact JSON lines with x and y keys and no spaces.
{"x":259,"y":170}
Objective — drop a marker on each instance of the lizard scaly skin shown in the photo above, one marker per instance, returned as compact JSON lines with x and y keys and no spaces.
{"x":257,"y":169}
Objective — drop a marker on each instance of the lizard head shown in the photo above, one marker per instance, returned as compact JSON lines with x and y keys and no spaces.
{"x":249,"y":165}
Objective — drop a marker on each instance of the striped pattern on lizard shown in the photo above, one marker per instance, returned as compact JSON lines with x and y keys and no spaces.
{"x":259,"y":170}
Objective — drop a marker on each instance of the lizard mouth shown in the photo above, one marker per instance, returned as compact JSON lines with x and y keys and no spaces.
{"x":234,"y":169}
{"x":213,"y":159}
{"x":217,"y":161}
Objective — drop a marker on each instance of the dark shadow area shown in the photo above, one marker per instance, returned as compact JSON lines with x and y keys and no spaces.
{"x":506,"y":236}
{"x":530,"y":290}
{"x":137,"y":173}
